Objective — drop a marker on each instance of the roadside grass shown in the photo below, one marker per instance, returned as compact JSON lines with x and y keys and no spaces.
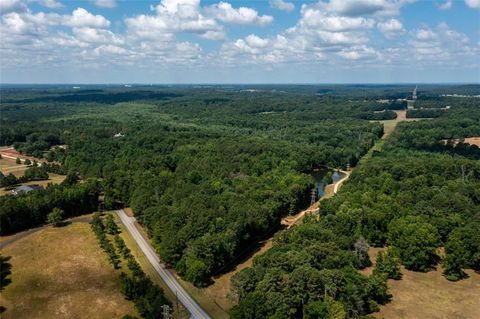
{"x":203,"y":298}
{"x":62,"y":273}
{"x":216,"y":299}
{"x":430,"y":295}
{"x":179,"y":311}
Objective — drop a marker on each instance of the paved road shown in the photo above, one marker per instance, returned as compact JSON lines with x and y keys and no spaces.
{"x":195,"y":310}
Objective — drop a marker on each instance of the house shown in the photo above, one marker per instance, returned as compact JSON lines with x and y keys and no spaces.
{"x":25,"y":189}
{"x":118,"y":135}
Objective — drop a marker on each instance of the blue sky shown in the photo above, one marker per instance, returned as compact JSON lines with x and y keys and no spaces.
{"x":271,"y":41}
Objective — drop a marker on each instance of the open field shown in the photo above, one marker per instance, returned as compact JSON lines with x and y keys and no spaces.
{"x":473,"y":141}
{"x":62,"y":273}
{"x":430,"y":295}
{"x":53,"y":179}
{"x":11,"y":153}
{"x":467,"y":140}
{"x":8,"y":165}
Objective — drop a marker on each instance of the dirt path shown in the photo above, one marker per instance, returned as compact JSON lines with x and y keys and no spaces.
{"x":291,"y":220}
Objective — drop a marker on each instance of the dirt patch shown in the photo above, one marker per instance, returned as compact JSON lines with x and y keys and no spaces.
{"x":62,"y":273}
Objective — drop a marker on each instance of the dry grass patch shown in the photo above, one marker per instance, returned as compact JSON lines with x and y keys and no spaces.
{"x":473,"y":141}
{"x":430,"y":295}
{"x":8,"y":166}
{"x":62,"y":273}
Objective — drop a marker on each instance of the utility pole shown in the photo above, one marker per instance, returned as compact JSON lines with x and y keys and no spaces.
{"x":314,"y":196}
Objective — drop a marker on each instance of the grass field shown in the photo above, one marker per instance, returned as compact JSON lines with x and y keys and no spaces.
{"x":8,"y":166}
{"x":62,"y":273}
{"x":429,"y":295}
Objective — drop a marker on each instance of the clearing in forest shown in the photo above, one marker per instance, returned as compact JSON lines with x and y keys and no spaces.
{"x":430,"y":295}
{"x":62,"y":273}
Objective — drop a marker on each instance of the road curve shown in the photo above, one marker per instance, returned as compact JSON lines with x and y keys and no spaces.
{"x":195,"y":310}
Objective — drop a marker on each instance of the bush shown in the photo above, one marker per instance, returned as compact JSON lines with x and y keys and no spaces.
{"x":56,"y":217}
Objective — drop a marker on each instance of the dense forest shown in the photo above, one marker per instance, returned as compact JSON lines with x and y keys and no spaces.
{"x":418,"y":194}
{"x":210,"y":170}
{"x":206,"y":171}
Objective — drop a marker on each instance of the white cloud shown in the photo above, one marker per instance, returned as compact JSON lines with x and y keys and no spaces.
{"x":358,"y":52}
{"x":446,"y":5}
{"x":105,"y":3}
{"x":282,"y":5}
{"x":173,"y":17}
{"x":474,"y":4}
{"x":224,"y":11}
{"x":364,"y":7}
{"x":255,"y":41}
{"x":425,"y":34}
{"x":214,"y":35}
{"x":51,"y":4}
{"x":391,"y":28}
{"x":82,"y":18}
{"x":7,"y":6}
{"x":440,"y":44}
{"x":109,"y":49}
{"x":313,"y":17}
{"x":92,"y":35}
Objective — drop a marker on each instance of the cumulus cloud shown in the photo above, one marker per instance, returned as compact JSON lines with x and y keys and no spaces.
{"x":82,"y":18}
{"x":51,"y":4}
{"x":224,"y":11}
{"x":446,"y":5}
{"x":364,"y":7}
{"x":391,"y":28}
{"x":318,"y":34}
{"x":93,"y":35}
{"x":282,"y":5}
{"x":474,"y":4}
{"x":440,"y":44}
{"x":7,"y":6}
{"x":105,"y":3}
{"x":337,"y":33}
{"x":313,"y":17}
{"x":358,"y":52}
{"x":173,"y":17}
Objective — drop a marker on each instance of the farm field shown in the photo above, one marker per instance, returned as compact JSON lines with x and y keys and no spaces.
{"x":62,"y":273}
